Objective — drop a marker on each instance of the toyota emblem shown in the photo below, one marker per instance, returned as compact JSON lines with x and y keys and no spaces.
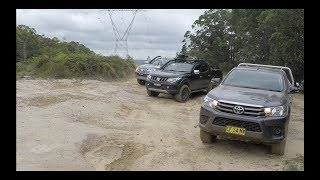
{"x":238,"y":109}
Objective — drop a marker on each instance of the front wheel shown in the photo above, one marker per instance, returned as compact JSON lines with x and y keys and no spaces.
{"x":206,"y":137}
{"x":183,"y":94}
{"x":152,"y":93}
{"x":278,"y":148}
{"x":141,"y":82}
{"x":210,"y":87}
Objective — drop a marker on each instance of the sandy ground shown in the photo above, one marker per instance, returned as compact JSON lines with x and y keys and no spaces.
{"x":94,"y":125}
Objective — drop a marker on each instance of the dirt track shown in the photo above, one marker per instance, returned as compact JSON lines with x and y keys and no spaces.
{"x":94,"y":125}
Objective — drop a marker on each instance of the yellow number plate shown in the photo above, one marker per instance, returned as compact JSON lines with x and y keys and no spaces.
{"x":236,"y":130}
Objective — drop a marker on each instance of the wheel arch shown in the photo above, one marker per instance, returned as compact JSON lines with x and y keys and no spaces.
{"x":185,"y":82}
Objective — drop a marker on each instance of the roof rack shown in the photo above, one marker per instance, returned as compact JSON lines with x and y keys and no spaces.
{"x":290,"y":76}
{"x":182,"y":56}
{"x":187,"y":58}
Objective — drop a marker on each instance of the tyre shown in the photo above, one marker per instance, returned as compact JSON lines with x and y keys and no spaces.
{"x":183,"y":94}
{"x":152,"y":93}
{"x":210,"y":87}
{"x":141,"y":82}
{"x":278,"y":148}
{"x":206,"y":137}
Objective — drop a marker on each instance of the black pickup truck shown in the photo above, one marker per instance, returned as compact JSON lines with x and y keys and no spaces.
{"x":180,"y":77}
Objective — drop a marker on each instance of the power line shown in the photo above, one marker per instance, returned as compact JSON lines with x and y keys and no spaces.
{"x":121,"y":38}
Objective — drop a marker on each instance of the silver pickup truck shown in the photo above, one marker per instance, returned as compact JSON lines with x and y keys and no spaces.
{"x":144,"y":70}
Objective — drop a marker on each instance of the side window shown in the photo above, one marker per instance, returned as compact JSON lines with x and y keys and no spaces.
{"x":204,"y":67}
{"x":197,"y":67}
{"x":156,"y":62}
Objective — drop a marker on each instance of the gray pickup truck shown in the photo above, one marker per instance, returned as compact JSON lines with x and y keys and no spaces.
{"x":252,"y":103}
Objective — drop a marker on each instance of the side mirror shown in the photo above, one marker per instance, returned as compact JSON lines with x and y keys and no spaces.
{"x":196,"y":71}
{"x":215,"y":81}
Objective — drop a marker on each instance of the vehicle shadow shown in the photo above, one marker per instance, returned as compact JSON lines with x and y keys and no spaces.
{"x":197,"y":94}
{"x":236,"y":146}
{"x":193,"y":96}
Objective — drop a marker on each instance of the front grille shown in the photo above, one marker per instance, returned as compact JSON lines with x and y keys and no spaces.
{"x":143,"y":70}
{"x":158,"y":78}
{"x":249,"y":126}
{"x":248,"y":110}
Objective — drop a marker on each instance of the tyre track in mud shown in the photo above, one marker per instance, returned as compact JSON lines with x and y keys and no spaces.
{"x":95,"y":125}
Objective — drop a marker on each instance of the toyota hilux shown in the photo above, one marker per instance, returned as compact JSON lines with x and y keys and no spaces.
{"x":252,"y":103}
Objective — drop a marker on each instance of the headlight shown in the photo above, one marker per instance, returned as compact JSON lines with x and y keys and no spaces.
{"x":276,"y":111}
{"x":137,"y":69}
{"x":149,"y":77}
{"x":149,"y":70}
{"x":172,"y":80}
{"x":208,"y":101}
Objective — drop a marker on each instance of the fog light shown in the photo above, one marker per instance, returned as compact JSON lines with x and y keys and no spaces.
{"x":277,"y":131}
{"x":203,"y":119}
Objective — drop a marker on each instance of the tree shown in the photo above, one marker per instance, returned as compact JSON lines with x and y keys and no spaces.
{"x":27,"y":44}
{"x":30,"y":44}
{"x":228,"y":37}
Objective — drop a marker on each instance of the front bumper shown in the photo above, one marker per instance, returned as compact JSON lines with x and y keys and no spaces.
{"x":162,"y":87}
{"x":141,"y":76}
{"x":266,"y":123}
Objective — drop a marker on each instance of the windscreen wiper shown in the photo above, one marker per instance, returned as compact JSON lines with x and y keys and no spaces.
{"x":260,"y":88}
{"x":273,"y":90}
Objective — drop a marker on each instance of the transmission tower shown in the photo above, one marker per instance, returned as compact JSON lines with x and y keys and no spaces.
{"x":121,"y":38}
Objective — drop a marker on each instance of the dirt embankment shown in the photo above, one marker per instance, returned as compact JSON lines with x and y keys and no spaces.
{"x":94,"y":125}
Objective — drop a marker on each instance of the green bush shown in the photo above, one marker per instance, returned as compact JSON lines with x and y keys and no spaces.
{"x":77,"y":66}
{"x":294,"y":164}
{"x":226,"y":66}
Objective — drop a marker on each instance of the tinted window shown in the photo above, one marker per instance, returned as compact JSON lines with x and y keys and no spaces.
{"x":203,"y":67}
{"x":197,"y":67}
{"x":255,"y":79}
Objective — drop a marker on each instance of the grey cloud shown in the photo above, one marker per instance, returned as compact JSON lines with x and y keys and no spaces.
{"x":154,"y":32}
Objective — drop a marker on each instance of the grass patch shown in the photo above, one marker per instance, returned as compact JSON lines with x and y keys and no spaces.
{"x":76,"y":66}
{"x":295,"y":164}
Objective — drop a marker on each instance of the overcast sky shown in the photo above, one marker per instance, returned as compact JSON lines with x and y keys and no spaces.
{"x":154,"y":31}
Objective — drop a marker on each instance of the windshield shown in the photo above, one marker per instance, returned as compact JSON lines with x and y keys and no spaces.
{"x":180,"y":67}
{"x":255,"y":79}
